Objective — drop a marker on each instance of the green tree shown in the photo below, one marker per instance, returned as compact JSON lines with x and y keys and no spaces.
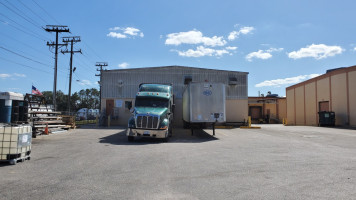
{"x":88,"y":98}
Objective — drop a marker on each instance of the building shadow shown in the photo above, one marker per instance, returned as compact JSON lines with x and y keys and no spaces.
{"x":179,"y":136}
{"x":339,"y":127}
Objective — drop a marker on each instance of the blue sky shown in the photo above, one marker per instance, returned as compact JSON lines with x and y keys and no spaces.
{"x":278,"y":42}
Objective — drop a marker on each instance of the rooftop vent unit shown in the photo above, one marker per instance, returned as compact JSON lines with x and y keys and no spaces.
{"x":330,"y":70}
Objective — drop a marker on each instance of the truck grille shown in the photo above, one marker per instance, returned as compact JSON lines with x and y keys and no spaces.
{"x":147,"y":121}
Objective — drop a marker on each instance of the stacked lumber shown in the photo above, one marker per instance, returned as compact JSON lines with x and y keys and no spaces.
{"x":42,"y":116}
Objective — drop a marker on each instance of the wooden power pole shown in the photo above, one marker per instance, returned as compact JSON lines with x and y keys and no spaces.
{"x":57,"y":29}
{"x":100,"y":65}
{"x":71,"y":40}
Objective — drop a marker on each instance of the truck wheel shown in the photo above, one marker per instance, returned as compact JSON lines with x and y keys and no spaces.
{"x":130,"y":138}
{"x":185,"y":125}
{"x":13,"y":162}
{"x":165,"y":139}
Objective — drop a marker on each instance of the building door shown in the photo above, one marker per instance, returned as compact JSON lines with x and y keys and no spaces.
{"x":323,"y":106}
{"x":109,"y":107}
{"x":255,"y":112}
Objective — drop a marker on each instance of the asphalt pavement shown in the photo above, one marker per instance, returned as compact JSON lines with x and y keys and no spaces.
{"x":275,"y":162}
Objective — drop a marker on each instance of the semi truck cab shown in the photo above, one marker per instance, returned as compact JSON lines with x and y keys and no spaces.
{"x":152,"y":115}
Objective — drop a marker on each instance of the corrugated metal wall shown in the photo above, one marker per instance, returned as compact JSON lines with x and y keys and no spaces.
{"x":124,"y":83}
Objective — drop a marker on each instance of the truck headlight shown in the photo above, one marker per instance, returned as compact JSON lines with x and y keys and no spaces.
{"x":164,"y":124}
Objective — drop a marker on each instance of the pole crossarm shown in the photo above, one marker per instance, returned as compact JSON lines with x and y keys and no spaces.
{"x":56,"y":28}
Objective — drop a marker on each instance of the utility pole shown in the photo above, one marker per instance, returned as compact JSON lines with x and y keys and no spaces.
{"x":71,"y":40}
{"x":101,"y":65}
{"x":57,"y":29}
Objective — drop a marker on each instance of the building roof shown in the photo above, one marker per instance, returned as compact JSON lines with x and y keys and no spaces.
{"x":172,"y":66}
{"x":329,"y":73}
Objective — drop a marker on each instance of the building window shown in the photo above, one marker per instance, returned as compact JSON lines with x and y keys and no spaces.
{"x":187,"y":79}
{"x":128,"y":105}
{"x":232,"y":81}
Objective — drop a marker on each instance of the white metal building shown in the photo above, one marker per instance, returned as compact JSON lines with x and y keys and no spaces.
{"x":119,"y":87}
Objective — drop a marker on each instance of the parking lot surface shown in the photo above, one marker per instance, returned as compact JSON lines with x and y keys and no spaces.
{"x":275,"y":162}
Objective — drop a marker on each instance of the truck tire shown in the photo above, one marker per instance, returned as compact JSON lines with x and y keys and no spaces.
{"x":166,"y":139}
{"x":130,"y":138}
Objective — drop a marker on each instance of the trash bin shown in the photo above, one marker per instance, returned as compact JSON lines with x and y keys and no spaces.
{"x":326,"y":118}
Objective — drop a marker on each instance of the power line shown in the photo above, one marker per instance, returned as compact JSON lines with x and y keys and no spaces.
{"x":23,"y":53}
{"x":24,"y":65}
{"x":8,"y":50}
{"x":22,"y":26}
{"x":85,"y":65}
{"x":36,"y":25}
{"x":34,"y":12}
{"x":70,"y":33}
{"x":45,"y":12}
{"x":24,"y":14}
{"x":93,"y":51}
{"x":23,"y":43}
{"x":24,"y":56}
{"x":21,"y":30}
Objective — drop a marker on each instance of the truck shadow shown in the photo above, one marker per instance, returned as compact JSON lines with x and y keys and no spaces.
{"x":179,"y":136}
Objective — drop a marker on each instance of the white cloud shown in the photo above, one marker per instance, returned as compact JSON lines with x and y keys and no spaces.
{"x":125,"y":32}
{"x":194,"y":37}
{"x":317,"y":51}
{"x":262,"y":54}
{"x":202,"y":51}
{"x":5,"y":76}
{"x":244,"y":30}
{"x":131,"y":31}
{"x":84,"y":82}
{"x":116,"y":35}
{"x":114,"y":28}
{"x":247,"y":29}
{"x":19,"y":75}
{"x":123,"y":65}
{"x":355,"y":49}
{"x":286,"y":81}
{"x":233,"y":35}
{"x":231,"y":48}
{"x":258,"y":54}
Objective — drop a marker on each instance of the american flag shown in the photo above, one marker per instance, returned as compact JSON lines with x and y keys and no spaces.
{"x":36,"y":91}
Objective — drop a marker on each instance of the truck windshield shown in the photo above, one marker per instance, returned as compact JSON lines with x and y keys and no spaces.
{"x":151,"y":102}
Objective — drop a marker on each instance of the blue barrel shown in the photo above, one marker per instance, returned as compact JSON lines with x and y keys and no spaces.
{"x":5,"y":111}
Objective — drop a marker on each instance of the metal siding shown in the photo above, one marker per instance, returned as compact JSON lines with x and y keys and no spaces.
{"x":131,"y":78}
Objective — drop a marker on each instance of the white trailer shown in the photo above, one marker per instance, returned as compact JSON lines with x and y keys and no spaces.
{"x":203,"y":104}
